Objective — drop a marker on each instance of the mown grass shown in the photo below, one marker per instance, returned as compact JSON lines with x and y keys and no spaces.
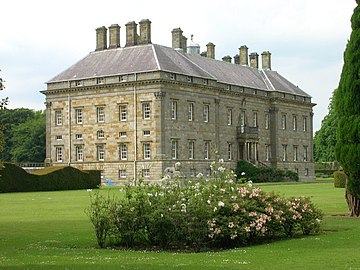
{"x":50,"y":230}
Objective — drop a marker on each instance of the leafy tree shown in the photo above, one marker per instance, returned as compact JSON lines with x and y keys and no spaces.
{"x":28,"y":140}
{"x":347,"y":107}
{"x":3,"y":103}
{"x":325,"y":137}
{"x":10,"y":119}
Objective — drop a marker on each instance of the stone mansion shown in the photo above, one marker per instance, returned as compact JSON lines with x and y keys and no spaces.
{"x":132,"y":111}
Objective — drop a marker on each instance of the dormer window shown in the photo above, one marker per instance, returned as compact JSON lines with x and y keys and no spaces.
{"x":79,"y":83}
{"x":122,"y":78}
{"x":172,"y":76}
{"x":189,"y":79}
{"x":100,"y":80}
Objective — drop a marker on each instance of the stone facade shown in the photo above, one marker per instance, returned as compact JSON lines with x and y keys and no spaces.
{"x":133,"y":125}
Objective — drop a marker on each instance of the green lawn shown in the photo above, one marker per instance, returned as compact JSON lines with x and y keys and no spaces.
{"x":49,"y":230}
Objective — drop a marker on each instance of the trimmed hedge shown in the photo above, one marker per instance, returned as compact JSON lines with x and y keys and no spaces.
{"x":15,"y":179}
{"x":247,"y":171}
{"x":339,"y":179}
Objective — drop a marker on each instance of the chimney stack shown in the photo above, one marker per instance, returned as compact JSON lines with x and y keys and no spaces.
{"x":237,"y":59}
{"x":184,"y":43}
{"x":254,"y":60}
{"x":266,"y":60}
{"x":210,"y":53}
{"x":227,"y":58}
{"x":145,"y":31}
{"x":243,"y":52}
{"x":114,"y":36}
{"x":177,"y":38}
{"x":131,"y":34}
{"x":101,"y":38}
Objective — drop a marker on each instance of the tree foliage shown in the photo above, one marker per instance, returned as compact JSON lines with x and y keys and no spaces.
{"x":3,"y":103}
{"x":24,"y":135}
{"x":28,"y":141}
{"x":325,"y":137}
{"x":347,"y":107}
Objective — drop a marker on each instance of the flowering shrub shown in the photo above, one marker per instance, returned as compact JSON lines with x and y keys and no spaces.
{"x":199,"y":214}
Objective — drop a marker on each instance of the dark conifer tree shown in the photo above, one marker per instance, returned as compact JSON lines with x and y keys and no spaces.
{"x":347,"y":107}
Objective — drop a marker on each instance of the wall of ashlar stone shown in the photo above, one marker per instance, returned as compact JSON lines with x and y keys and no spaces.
{"x":159,"y":91}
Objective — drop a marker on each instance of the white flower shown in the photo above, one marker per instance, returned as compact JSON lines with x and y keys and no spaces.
{"x":221,"y":169}
{"x":221,"y":160}
{"x":183,"y":207}
{"x":89,"y":190}
{"x":221,"y":204}
{"x":249,"y":183}
{"x":243,"y":173}
{"x":199,"y":175}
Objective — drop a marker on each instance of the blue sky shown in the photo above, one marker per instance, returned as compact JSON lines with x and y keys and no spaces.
{"x":307,"y":38}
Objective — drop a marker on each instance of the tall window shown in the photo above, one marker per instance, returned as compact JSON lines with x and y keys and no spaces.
{"x":304,"y":123}
{"x":174,"y":109}
{"x":100,"y":113}
{"x":191,"y":149}
{"x":284,"y":154}
{"x":58,"y":117}
{"x":100,"y":150}
{"x":229,"y":117}
{"x":174,"y":149}
{"x":123,"y":151}
{"x":147,"y":151}
{"x":267,"y":121}
{"x":295,"y":152}
{"x":207,"y":150}
{"x":146,"y":110}
{"x":229,"y":151}
{"x":283,"y":121}
{"x":206,"y":113}
{"x":79,"y":116}
{"x":243,"y":118}
{"x":59,"y":154}
{"x":123,"y":112}
{"x":79,"y":153}
{"x":305,"y":153}
{"x":255,"y":119}
{"x":191,"y":111}
{"x":267,"y":152}
{"x":294,"y":122}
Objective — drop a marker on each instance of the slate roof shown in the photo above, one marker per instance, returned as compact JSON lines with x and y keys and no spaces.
{"x":152,"y":57}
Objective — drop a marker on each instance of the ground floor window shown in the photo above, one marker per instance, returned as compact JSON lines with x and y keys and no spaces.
{"x":122,"y":173}
{"x":146,"y":173}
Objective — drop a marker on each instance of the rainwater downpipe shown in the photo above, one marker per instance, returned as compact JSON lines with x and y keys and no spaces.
{"x":69,"y":123}
{"x":135,"y":128}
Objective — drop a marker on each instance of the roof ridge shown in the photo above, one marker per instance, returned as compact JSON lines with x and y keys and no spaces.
{"x":156,"y":57}
{"x":267,"y":80}
{"x":187,"y":58}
